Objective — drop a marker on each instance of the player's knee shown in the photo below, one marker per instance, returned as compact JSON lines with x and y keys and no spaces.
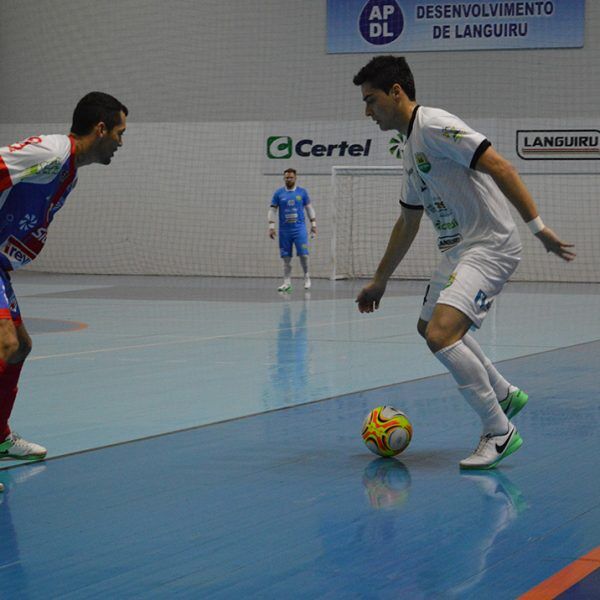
{"x":435,"y":337}
{"x":25,"y":346}
{"x":422,"y":328}
{"x":9,"y":345}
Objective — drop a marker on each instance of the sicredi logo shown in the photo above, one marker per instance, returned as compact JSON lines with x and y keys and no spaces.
{"x":283,"y":147}
{"x":558,"y":144}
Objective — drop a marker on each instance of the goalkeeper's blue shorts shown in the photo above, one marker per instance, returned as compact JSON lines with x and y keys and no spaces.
{"x":294,"y":237}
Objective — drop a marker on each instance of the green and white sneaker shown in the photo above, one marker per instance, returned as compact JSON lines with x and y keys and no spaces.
{"x":492,"y":449}
{"x":15,"y":447}
{"x":286,"y":286}
{"x":514,"y":403}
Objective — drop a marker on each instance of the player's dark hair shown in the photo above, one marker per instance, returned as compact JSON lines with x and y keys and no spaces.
{"x":382,"y":72}
{"x":290,"y":170}
{"x":94,"y":108}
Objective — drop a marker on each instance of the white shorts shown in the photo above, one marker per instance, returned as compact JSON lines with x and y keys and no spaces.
{"x":470,"y":283}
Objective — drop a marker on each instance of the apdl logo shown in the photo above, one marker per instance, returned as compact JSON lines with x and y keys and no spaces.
{"x":381,"y":22}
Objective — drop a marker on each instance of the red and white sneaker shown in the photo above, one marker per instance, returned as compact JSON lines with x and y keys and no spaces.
{"x":15,"y":447}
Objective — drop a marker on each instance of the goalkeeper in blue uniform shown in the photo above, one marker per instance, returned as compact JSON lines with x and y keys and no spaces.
{"x":291,"y":201}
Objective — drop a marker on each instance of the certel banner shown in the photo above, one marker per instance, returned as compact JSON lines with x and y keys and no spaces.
{"x":534,"y":146}
{"x":316,"y":147}
{"x":420,"y":25}
{"x":284,"y":147}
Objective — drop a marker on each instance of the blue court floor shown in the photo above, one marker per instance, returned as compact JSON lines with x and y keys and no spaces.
{"x":204,"y":442}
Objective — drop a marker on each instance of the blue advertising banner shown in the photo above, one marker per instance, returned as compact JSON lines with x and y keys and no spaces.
{"x":421,"y":25}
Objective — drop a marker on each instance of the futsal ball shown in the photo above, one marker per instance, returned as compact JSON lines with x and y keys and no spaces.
{"x":386,"y":431}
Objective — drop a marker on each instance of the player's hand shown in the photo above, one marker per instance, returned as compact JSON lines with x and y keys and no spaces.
{"x":272,"y":234}
{"x":553,"y":244}
{"x":369,"y":297}
{"x":313,"y":232}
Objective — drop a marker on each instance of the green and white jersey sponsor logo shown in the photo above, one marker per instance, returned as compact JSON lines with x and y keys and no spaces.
{"x":48,"y":167}
{"x":423,"y":163}
{"x":396,"y":146}
{"x":450,"y":280}
{"x":445,"y":223}
{"x":453,"y":133}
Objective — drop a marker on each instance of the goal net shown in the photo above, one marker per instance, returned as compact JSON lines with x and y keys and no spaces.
{"x":365,"y":206}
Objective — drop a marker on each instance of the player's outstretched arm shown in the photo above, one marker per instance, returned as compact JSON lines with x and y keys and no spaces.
{"x":401,"y":239}
{"x":510,"y":183}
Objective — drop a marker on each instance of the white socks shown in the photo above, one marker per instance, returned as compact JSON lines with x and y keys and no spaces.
{"x":287,"y":268}
{"x":501,"y":387}
{"x":304,"y":263}
{"x":474,"y":384}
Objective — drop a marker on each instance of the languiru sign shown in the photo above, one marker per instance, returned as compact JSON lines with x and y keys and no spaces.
{"x":420,"y":25}
{"x":558,"y":144}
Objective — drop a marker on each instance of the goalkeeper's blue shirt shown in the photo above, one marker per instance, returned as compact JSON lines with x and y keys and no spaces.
{"x":290,"y":205}
{"x":36,"y":176}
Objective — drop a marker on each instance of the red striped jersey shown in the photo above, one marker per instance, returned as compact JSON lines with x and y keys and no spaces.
{"x":36,"y":176}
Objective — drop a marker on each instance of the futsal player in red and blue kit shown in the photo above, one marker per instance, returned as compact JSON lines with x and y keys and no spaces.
{"x":291,"y":201}
{"x":36,"y":176}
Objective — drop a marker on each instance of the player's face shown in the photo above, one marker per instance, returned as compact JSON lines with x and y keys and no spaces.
{"x":381,"y":107}
{"x":111,"y":141}
{"x":290,"y":180}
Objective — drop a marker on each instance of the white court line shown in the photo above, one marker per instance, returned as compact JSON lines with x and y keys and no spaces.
{"x":196,"y":339}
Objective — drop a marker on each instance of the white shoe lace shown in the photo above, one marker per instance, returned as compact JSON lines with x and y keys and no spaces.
{"x":483,"y":440}
{"x":19,"y":445}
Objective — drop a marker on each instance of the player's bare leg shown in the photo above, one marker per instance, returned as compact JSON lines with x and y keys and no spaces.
{"x":444,"y":334}
{"x":15,"y":346}
{"x":286,"y":286}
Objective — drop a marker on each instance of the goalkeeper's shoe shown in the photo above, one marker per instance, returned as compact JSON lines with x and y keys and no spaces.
{"x":307,"y":283}
{"x":286,"y":286}
{"x":492,"y":449}
{"x":15,"y":447}
{"x":514,"y":403}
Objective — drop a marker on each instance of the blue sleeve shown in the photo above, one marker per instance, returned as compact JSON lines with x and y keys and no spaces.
{"x":275,"y":199}
{"x":306,"y":198}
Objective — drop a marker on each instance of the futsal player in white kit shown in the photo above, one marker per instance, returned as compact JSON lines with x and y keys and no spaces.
{"x":455,"y":175}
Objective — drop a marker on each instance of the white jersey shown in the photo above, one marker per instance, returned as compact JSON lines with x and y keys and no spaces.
{"x":466,"y":207}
